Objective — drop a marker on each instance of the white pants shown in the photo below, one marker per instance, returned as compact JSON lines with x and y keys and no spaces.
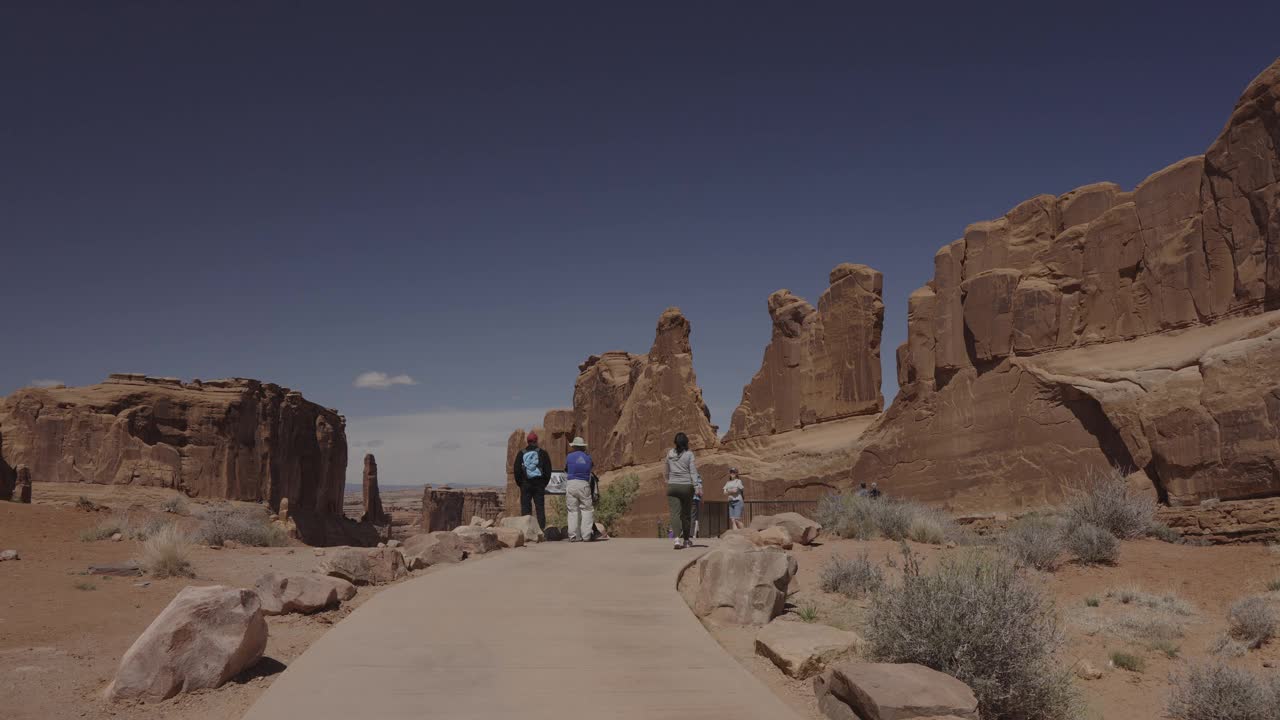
{"x":577,"y":500}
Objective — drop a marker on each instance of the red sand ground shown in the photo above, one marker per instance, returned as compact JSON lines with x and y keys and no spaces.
{"x":1210,"y":578}
{"x":60,"y":645}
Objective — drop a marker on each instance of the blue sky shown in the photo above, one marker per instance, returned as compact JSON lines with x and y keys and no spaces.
{"x":477,"y":196}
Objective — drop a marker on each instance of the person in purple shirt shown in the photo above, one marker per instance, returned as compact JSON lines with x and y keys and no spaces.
{"x":577,"y":493}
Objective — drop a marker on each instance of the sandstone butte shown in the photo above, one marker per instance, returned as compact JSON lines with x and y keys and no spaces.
{"x":1100,"y":328}
{"x":235,"y":439}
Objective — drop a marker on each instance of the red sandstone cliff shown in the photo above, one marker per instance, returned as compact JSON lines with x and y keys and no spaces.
{"x":1101,"y":328}
{"x":234,"y":439}
{"x":821,"y":364}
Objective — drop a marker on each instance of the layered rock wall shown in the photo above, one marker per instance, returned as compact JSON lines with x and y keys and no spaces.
{"x":1192,"y":247}
{"x":821,"y":364}
{"x":235,"y":439}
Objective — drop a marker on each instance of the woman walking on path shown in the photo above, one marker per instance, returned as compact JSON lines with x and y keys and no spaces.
{"x":733,"y":490}
{"x":682,"y":484}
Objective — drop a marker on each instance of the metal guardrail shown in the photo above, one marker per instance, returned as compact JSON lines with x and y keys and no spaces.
{"x":713,"y":515}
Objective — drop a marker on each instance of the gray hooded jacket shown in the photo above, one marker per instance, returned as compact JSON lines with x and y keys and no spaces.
{"x":681,"y":469}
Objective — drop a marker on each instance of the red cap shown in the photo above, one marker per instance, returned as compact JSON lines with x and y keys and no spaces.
{"x":533,"y":437}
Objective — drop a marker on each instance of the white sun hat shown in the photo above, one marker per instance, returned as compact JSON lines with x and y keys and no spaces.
{"x":578,"y":442}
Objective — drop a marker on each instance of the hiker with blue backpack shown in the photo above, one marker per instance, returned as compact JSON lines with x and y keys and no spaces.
{"x":532,"y":470}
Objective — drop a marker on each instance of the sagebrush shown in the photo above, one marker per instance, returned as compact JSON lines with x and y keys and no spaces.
{"x":849,"y":515}
{"x":851,"y":577}
{"x":1252,"y":621}
{"x":1034,"y":542}
{"x":1104,"y":499}
{"x":982,"y":621}
{"x":1221,"y":692}
{"x":247,"y":526}
{"x":1092,"y":545}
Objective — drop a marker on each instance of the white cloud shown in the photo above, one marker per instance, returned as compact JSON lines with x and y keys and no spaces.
{"x":458,"y":447}
{"x":381,"y":381}
{"x":45,"y":383}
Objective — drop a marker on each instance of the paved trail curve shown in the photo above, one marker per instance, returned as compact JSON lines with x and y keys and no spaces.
{"x":550,"y":631}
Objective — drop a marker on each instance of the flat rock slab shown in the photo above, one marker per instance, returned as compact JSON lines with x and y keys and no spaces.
{"x":889,"y":691}
{"x":597,"y":629}
{"x":801,"y":649}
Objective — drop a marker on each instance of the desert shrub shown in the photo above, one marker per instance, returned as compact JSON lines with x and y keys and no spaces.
{"x":615,"y":501}
{"x":1092,"y":545}
{"x":861,"y":518}
{"x":1128,"y":661}
{"x":1104,"y":499}
{"x":1274,"y":585}
{"x":557,"y":512}
{"x":1252,"y":621}
{"x":1033,"y":542}
{"x":1226,"y":646}
{"x":929,"y":528}
{"x":983,"y":622}
{"x":106,"y":527}
{"x":1168,"y":648}
{"x":1164,"y":533}
{"x":247,"y":526}
{"x":85,"y":504}
{"x":147,"y":528}
{"x":176,"y":505}
{"x":1092,"y":601}
{"x":86,"y":586}
{"x":851,"y":577}
{"x":1221,"y":692}
{"x":847,"y":516}
{"x":165,"y":554}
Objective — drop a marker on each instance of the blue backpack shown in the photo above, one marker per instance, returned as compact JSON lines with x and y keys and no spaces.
{"x":532,"y":469}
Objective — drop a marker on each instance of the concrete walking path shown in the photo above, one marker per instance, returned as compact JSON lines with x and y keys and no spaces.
{"x":556,"y":630}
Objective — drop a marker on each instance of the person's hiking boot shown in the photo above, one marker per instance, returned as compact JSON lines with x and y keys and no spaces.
{"x":679,"y":544}
{"x":575,"y":538}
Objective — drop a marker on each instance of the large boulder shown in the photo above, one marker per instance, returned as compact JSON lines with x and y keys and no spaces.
{"x":478,"y":540}
{"x":526,"y":524}
{"x":802,"y":650}
{"x":301,"y":592}
{"x":509,"y":537}
{"x":776,"y":536}
{"x":206,"y":636}
{"x":433,"y":548}
{"x":365,"y":566}
{"x":886,"y":691}
{"x":802,"y":530}
{"x":741,"y":583}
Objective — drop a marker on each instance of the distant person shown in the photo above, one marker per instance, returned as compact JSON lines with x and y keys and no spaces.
{"x":577,"y":492}
{"x":875,"y":491}
{"x":863,"y":491}
{"x":683,"y":483}
{"x":532,"y":471}
{"x":733,"y":490}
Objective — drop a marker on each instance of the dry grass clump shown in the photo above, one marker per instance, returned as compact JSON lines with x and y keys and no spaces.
{"x":130,"y":526}
{"x":1105,"y":500}
{"x":1167,"y":602}
{"x":851,"y":577}
{"x":1252,"y":621}
{"x":983,"y":622}
{"x":1092,"y":545}
{"x":1220,"y":692}
{"x":1164,"y":533}
{"x":1033,"y":542}
{"x":247,"y":526}
{"x":166,"y":554}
